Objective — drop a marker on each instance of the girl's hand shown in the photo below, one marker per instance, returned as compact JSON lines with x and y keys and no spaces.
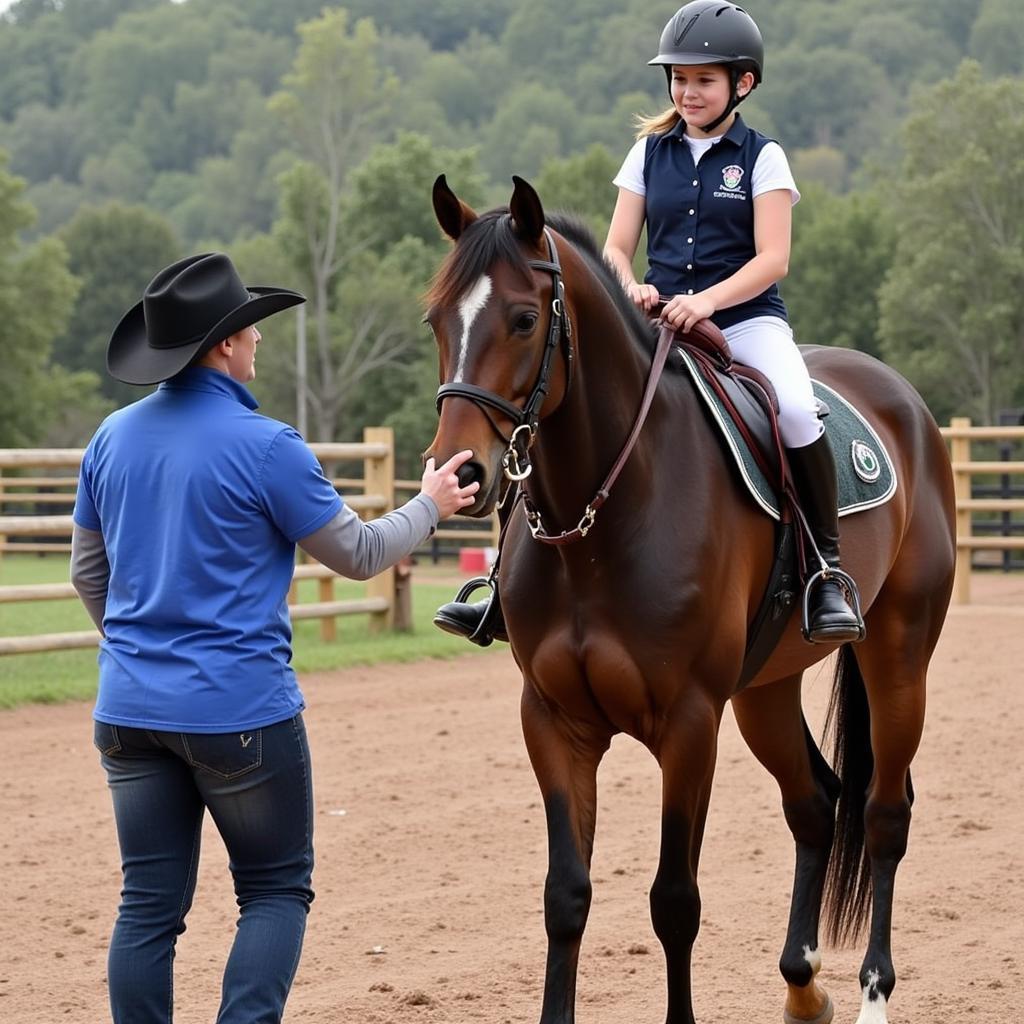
{"x":683,"y":311}
{"x":644,"y":296}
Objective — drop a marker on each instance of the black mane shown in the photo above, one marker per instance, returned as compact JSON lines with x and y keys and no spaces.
{"x":582,"y":238}
{"x":491,"y":239}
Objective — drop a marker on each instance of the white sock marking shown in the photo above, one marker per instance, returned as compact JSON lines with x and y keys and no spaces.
{"x":873,"y":1011}
{"x":469,"y":308}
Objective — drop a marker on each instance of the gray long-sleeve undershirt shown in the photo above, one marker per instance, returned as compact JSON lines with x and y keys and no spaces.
{"x":346,"y":544}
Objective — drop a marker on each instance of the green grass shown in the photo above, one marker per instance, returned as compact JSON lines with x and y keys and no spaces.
{"x":71,"y":675}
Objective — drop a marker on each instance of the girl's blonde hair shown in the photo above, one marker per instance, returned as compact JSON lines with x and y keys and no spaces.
{"x":658,"y":124}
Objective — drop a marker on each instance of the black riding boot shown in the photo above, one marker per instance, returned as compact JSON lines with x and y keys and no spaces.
{"x":830,"y":618}
{"x":479,"y":621}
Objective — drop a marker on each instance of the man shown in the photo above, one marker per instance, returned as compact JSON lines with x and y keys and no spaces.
{"x":189,"y":508}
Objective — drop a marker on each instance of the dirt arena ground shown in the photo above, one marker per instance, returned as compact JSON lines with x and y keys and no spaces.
{"x":431,"y":859}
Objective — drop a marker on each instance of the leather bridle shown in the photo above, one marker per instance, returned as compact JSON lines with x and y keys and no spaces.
{"x":526,"y":419}
{"x":515,"y":461}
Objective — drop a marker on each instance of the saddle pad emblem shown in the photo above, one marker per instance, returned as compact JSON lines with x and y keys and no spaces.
{"x":866,"y":463}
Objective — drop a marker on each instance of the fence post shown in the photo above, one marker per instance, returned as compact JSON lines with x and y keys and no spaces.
{"x":379,"y":474}
{"x":328,"y":630}
{"x":960,"y":452}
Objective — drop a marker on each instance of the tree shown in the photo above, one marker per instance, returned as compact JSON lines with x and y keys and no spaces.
{"x":821,"y":165}
{"x":997,"y":37}
{"x":44,"y":142}
{"x":952,"y":316}
{"x":334,"y":101}
{"x":115,"y":251}
{"x":581,"y":185}
{"x":842,"y":250}
{"x":533,"y":123}
{"x":389,"y":194}
{"x":36,"y":295}
{"x":825,"y":96}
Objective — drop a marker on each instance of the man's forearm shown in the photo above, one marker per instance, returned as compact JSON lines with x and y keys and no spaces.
{"x":90,"y":571}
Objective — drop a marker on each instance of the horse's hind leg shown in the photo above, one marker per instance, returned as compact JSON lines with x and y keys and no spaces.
{"x":772,"y":723}
{"x":565,"y":757}
{"x":892,"y":663}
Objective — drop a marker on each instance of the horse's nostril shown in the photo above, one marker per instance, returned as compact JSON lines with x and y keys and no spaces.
{"x":470,"y":472}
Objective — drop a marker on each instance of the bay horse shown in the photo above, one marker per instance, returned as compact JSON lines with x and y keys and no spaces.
{"x":640,"y":626}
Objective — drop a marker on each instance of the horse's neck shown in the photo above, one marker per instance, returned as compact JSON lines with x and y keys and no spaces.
{"x":580,"y":442}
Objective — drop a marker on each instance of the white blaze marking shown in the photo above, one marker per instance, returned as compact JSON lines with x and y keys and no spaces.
{"x":873,"y":1011}
{"x":469,"y":308}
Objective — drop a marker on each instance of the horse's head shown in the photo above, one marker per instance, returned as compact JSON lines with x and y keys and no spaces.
{"x":498,"y":312}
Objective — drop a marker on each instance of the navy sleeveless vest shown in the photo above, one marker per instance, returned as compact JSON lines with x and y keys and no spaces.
{"x":700,"y":219}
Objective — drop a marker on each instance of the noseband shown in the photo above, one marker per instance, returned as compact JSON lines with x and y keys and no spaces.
{"x":525,"y":420}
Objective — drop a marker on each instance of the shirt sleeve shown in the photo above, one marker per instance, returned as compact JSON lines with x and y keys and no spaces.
{"x":771,"y":172}
{"x":360,"y":550}
{"x":296,"y":496}
{"x":85,"y":513}
{"x":90,"y":572}
{"x":631,"y":173}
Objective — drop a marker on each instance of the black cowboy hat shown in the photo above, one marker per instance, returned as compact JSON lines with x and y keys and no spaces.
{"x":185,"y":310}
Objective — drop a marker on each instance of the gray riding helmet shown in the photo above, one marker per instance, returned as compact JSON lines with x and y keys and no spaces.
{"x":712,"y":32}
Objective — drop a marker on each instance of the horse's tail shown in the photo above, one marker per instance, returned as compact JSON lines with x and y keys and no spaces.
{"x":848,"y":882}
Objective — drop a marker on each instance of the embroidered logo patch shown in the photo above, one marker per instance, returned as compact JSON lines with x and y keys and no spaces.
{"x":731,"y":177}
{"x":866,"y":463}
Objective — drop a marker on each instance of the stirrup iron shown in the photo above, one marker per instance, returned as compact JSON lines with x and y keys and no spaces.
{"x":848,"y":584}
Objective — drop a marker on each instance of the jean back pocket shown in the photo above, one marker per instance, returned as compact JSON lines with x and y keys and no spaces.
{"x":227,"y":754}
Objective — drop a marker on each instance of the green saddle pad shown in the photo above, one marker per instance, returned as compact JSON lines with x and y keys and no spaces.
{"x":865,"y":470}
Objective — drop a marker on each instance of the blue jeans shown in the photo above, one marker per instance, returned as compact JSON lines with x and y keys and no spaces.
{"x":258,"y":788}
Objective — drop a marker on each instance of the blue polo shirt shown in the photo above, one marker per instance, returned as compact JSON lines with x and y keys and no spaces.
{"x":200,"y":501}
{"x":700,"y":218}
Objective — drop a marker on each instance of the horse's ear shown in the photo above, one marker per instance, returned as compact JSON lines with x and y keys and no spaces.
{"x":527,"y":212}
{"x":452,"y":213}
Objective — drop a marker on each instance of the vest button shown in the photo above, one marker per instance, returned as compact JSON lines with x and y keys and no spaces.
{"x":689,"y":291}
{"x":689,"y":266}
{"x":689,"y":241}
{"x":691,"y":213}
{"x":696,"y":182}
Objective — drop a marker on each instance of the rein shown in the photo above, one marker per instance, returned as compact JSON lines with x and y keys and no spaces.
{"x":515,"y":462}
{"x":665,"y":338}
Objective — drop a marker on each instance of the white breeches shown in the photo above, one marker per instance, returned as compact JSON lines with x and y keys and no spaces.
{"x":766,"y":343}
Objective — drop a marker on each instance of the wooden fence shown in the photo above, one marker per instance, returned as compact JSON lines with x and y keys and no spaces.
{"x":978,"y":505}
{"x":973,"y":510}
{"x":386,"y":600}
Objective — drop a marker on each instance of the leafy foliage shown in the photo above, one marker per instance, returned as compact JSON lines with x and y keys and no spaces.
{"x":305,"y":138}
{"x":36,"y":294}
{"x":952,"y":317}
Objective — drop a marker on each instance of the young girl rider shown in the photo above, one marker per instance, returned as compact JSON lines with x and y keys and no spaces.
{"x":716,"y":197}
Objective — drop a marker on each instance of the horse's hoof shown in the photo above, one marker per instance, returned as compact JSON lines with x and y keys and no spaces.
{"x":825,"y":1017}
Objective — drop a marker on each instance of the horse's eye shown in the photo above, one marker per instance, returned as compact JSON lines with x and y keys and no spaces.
{"x":525,"y":323}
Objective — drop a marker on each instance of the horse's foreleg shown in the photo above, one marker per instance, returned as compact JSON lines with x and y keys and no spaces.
{"x":565,"y":757}
{"x":686,"y":751}
{"x":772,"y":723}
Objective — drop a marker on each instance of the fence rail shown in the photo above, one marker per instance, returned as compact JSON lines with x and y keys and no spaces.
{"x":1008,"y":534}
{"x":385,"y":601}
{"x":375,"y":493}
